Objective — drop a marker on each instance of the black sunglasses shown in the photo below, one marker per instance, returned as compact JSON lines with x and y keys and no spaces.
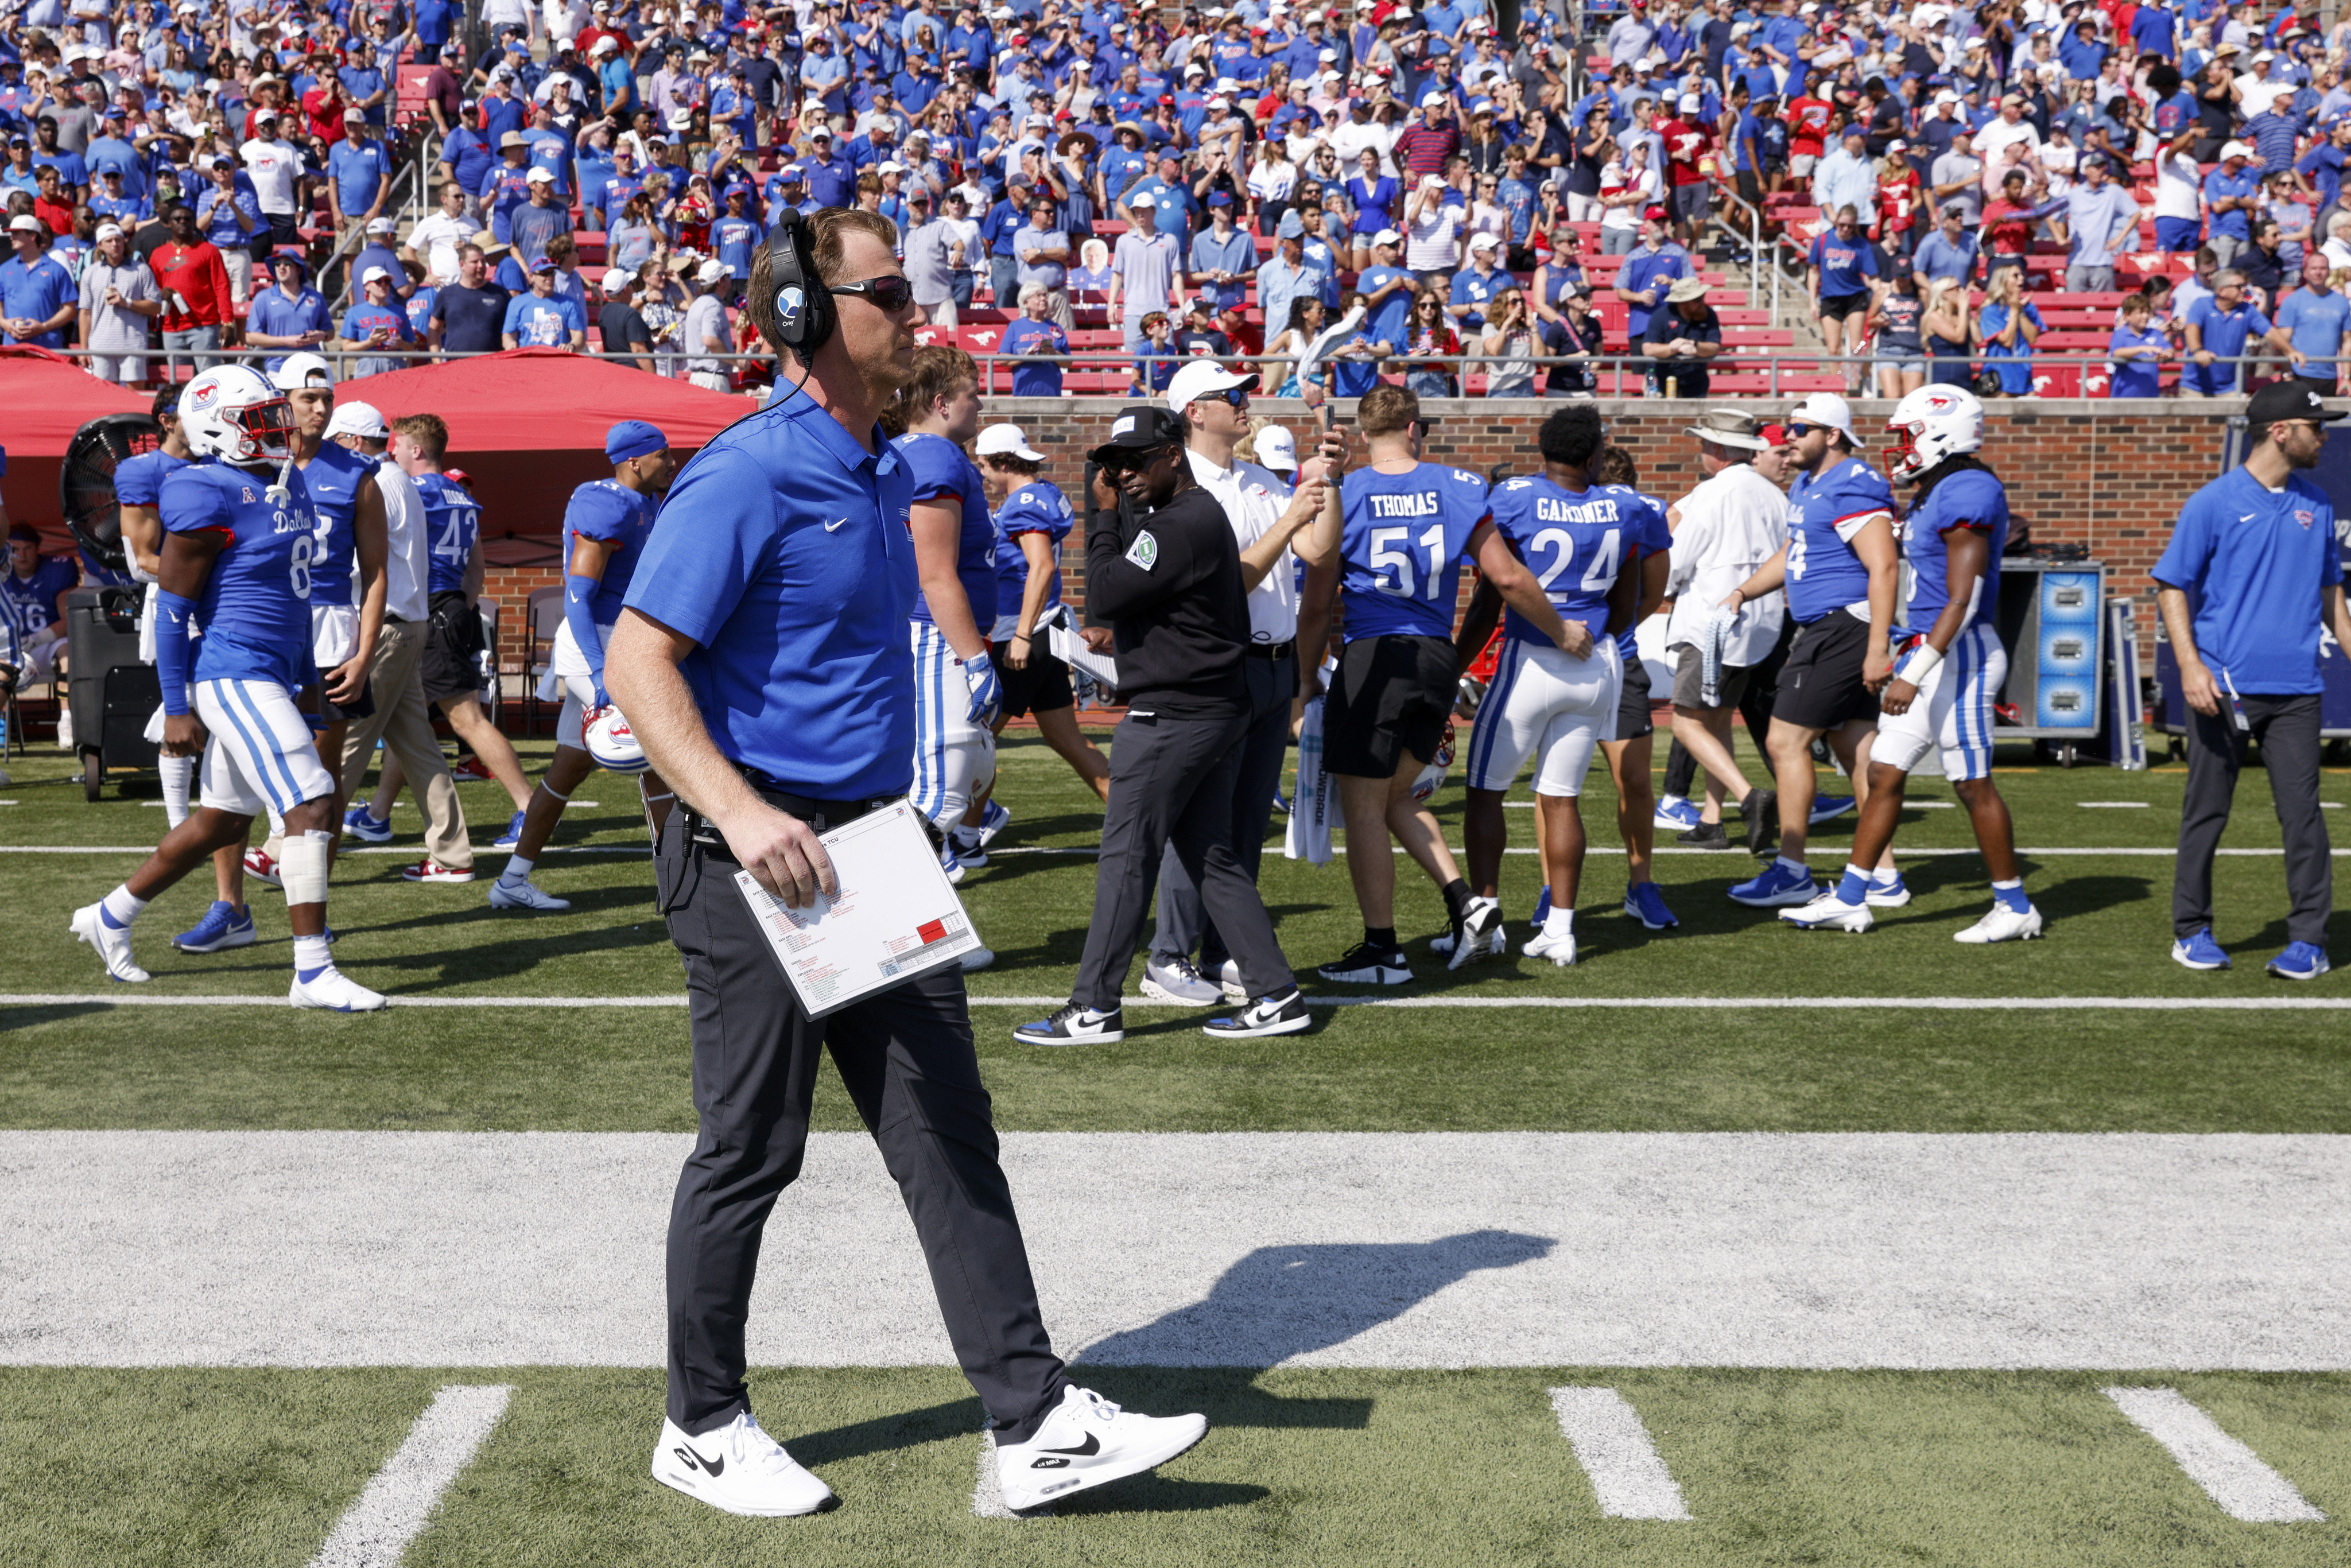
{"x":892,"y":293}
{"x":1237,"y":396}
{"x":1133,"y":462}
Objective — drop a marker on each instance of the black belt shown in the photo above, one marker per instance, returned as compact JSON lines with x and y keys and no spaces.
{"x":822,"y":815}
{"x":1273,"y":652}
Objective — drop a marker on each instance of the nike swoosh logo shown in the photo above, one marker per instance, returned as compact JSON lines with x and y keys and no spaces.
{"x":715,"y":1467}
{"x":1091,"y":1445}
{"x":2247,"y":518}
{"x":836,"y":525}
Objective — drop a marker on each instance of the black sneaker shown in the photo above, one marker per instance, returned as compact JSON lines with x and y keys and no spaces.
{"x":1364,"y":964}
{"x":1284,"y":1014}
{"x":1074,"y":1025}
{"x":1761,"y":811}
{"x":1705,"y":836}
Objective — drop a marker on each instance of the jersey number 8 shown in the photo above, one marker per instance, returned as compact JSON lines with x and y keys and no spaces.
{"x":298,"y":563}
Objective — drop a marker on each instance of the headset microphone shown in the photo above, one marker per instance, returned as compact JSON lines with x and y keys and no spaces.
{"x":805,"y":314}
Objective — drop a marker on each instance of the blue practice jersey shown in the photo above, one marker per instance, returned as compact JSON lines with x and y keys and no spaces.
{"x":333,"y":478}
{"x":1823,"y":513}
{"x":138,"y":481}
{"x":2253,"y":562}
{"x":1970,"y":499}
{"x":1037,"y":507}
{"x":942,"y":472}
{"x":609,"y":510}
{"x":1401,"y":543}
{"x":1572,"y":540}
{"x":453,"y":522}
{"x":256,"y":607}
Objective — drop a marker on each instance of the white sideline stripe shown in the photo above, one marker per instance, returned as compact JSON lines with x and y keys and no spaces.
{"x":2229,"y":1471}
{"x":988,"y":1488}
{"x":1614,"y":1447}
{"x":399,"y":1499}
{"x":1441,"y":1003}
{"x":1906,"y":851}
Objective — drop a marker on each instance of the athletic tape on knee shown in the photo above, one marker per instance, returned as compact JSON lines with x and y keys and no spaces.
{"x":303,"y":871}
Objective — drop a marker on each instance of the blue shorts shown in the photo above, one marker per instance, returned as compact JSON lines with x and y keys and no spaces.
{"x":2178,"y":234}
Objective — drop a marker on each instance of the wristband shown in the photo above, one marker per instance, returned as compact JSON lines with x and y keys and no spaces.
{"x":173,"y":614}
{"x":1920,"y":664}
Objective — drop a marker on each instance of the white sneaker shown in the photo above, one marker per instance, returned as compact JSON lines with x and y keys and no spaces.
{"x":113,"y":945}
{"x":1560,"y":949}
{"x":2002,"y":925}
{"x":1086,"y":1441}
{"x":1830,"y":913}
{"x":977,"y":960}
{"x":261,"y":866}
{"x":1497,"y":943}
{"x":739,"y":1468}
{"x":330,"y":990}
{"x":1480,"y":922}
{"x":505,"y":894}
{"x":1228,"y":975}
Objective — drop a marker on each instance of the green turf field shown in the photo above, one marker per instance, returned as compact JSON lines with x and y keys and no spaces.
{"x":1329,"y":1466}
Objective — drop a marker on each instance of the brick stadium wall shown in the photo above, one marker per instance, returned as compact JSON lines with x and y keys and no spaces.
{"x":2090,"y":471}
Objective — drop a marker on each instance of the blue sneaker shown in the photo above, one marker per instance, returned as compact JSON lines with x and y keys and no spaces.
{"x":1676,"y":813}
{"x":1777,"y":888}
{"x":2199,"y":951}
{"x":1542,"y":907}
{"x":1826,"y":808}
{"x":950,"y":862}
{"x":991,"y":822}
{"x":1647,"y":905}
{"x":2300,"y":961}
{"x":1891,"y":894}
{"x":358,"y":824}
{"x":511,"y":836}
{"x":222,"y":928}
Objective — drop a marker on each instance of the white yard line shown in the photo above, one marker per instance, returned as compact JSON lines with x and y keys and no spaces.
{"x":2231,"y":1474}
{"x":2112,"y":805}
{"x":399,"y":1498}
{"x":1903,"y":852}
{"x":1614,"y":1447}
{"x":1812,"y":1250}
{"x":129,"y":998}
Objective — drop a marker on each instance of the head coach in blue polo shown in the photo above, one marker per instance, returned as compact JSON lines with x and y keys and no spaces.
{"x":761,"y":657}
{"x":2252,"y":573}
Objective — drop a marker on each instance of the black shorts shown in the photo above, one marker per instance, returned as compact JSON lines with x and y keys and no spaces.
{"x":452,"y":643}
{"x":1633,"y":720}
{"x":1042,"y":687}
{"x":1820,"y":686}
{"x":1836,"y":308}
{"x":333,"y":712}
{"x":1390,"y":696}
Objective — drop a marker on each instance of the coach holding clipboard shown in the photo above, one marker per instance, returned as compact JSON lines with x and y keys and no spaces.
{"x":763,"y":662}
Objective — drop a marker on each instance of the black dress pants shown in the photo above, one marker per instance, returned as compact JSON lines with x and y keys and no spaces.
{"x":1184,"y":926}
{"x":2288,"y":728}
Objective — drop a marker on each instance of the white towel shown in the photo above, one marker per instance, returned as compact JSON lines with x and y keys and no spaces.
{"x":1308,"y":836}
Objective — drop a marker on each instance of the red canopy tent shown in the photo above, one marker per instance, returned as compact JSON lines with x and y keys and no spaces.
{"x":44,"y":399}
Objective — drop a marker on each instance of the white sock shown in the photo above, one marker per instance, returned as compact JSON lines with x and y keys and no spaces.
{"x":312,"y":953}
{"x":179,"y":780}
{"x":1887,"y":877}
{"x":1799,"y":867}
{"x":121,"y":906}
{"x":1559,"y":921}
{"x":1862,"y":871}
{"x":518,"y":868}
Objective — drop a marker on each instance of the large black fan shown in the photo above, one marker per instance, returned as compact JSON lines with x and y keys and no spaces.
{"x":85,"y":481}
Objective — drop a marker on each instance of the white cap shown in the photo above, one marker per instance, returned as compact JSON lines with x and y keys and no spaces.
{"x":1429,"y":99}
{"x":2235,"y":150}
{"x":361,"y":419}
{"x":1947,"y":96}
{"x":607,"y":45}
{"x":1826,"y":408}
{"x":2262,"y":55}
{"x":1387,"y":236}
{"x":1692,"y":100}
{"x":711,"y":272}
{"x":27,"y":224}
{"x":1198,"y":378}
{"x":1006,"y":441}
{"x":371,"y":274}
{"x":301,"y":371}
{"x":105,"y":231}
{"x":536,"y":175}
{"x":1276,"y":449}
{"x":617,"y":279}
{"x":1483,"y":242}
{"x":382,"y":227}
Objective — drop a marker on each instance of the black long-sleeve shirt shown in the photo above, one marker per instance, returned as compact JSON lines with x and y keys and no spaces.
{"x":1169,"y":587}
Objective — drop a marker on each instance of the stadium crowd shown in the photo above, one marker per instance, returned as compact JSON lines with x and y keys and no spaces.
{"x":1361,"y":192}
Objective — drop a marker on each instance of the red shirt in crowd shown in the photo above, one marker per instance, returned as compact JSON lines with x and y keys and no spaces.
{"x":197,"y":274}
{"x":1898,"y":201}
{"x":1423,"y":150}
{"x":1686,"y":142}
{"x":1808,"y":125}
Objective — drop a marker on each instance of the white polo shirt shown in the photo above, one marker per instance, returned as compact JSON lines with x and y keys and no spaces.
{"x":1254,"y":500}
{"x":1729,"y":525}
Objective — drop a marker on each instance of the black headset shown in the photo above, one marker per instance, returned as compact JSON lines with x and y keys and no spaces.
{"x":805,"y":316}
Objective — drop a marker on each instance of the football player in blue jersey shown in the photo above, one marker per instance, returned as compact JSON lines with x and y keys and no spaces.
{"x":1406,"y":528}
{"x":604,"y":530}
{"x":957,"y":692}
{"x":1841,"y":567}
{"x":1544,"y":701}
{"x":239,"y":542}
{"x":1951,"y":664}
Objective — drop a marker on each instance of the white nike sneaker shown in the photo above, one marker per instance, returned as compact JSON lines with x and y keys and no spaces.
{"x":1830,"y":913}
{"x":1498,"y":942}
{"x":332,"y":991}
{"x":113,"y":944}
{"x":1560,"y":949}
{"x":509,"y":894}
{"x":977,"y":960}
{"x":1086,"y":1441}
{"x":2002,"y":925}
{"x":1227,"y":976}
{"x":739,"y":1468}
{"x":1481,"y":921}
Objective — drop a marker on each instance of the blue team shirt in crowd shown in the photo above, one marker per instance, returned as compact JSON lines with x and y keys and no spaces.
{"x":2253,"y":562}
{"x":732,"y":241}
{"x":1644,"y":271}
{"x":2137,"y":377}
{"x":794,"y":577}
{"x":543,"y":323}
{"x":2225,"y":333}
{"x":359,"y":173}
{"x":1970,"y":499}
{"x":1572,"y":540}
{"x":453,"y":522}
{"x":255,"y":606}
{"x":32,"y":601}
{"x":1037,"y":507}
{"x":1823,"y":572}
{"x":1023,"y":335}
{"x":2315,"y":320}
{"x":609,"y":510}
{"x":941,"y":471}
{"x":1402,"y":542}
{"x":273,"y":315}
{"x":333,"y":478}
{"x":1845,"y":264}
{"x":35,"y":293}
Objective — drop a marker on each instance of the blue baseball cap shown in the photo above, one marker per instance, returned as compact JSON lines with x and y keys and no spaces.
{"x":632,"y":438}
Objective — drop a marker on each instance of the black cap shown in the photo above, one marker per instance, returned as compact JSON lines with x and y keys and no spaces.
{"x":1140,"y":429}
{"x":2291,"y":399}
